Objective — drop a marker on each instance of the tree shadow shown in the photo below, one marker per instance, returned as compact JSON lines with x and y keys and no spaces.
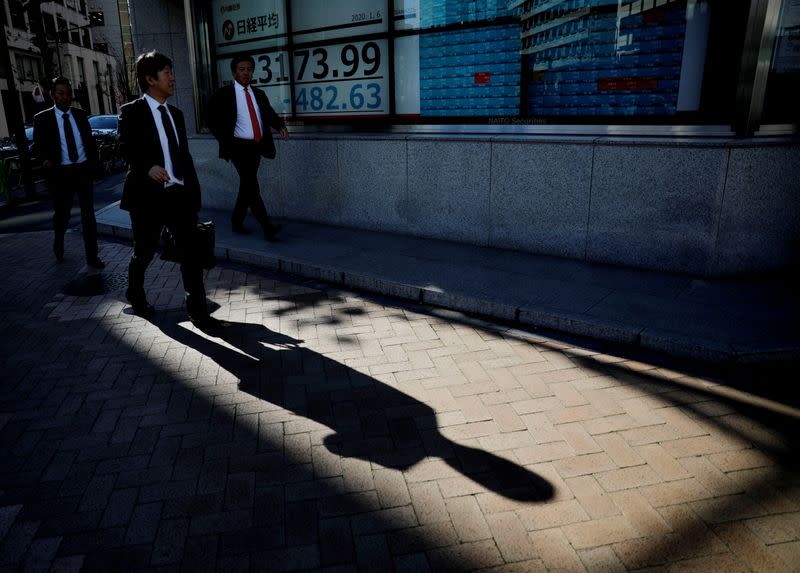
{"x":371,"y":420}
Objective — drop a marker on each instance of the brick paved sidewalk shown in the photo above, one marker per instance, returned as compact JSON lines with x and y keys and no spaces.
{"x":331,"y":431}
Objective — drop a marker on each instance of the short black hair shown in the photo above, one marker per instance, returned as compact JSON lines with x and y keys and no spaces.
{"x":149,"y":64}
{"x":59,"y":81}
{"x":239,"y":58}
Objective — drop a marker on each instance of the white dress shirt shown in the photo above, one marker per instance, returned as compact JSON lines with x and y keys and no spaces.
{"x":78,"y":141}
{"x":244,"y":126}
{"x":162,"y":136}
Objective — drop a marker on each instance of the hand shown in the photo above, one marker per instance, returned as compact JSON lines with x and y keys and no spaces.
{"x":284,"y":134}
{"x":47,"y":164}
{"x":158,"y":174}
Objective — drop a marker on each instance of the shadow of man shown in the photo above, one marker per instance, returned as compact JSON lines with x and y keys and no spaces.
{"x":370,"y":419}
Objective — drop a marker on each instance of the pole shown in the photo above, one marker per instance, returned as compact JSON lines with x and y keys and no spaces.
{"x":14,"y":111}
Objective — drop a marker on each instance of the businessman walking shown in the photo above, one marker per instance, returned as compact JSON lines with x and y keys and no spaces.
{"x":239,"y":116}
{"x":161,"y":187}
{"x":63,"y":142}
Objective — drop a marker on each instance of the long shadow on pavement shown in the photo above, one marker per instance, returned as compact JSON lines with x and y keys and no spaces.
{"x":371,"y":420}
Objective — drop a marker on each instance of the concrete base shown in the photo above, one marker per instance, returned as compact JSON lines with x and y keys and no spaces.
{"x":702,"y":207}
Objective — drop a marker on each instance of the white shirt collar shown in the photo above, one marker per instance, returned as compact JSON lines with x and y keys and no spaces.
{"x":154,"y":103}
{"x":240,"y":87}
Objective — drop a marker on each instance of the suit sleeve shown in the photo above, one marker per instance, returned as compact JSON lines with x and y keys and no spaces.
{"x":130,"y":147}
{"x":89,"y":144}
{"x":275,"y":121}
{"x":37,"y":150}
{"x":213,"y":115}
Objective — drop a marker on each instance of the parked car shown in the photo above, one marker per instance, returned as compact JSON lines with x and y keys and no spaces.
{"x":104,"y":127}
{"x":8,"y":146}
{"x":104,"y":130}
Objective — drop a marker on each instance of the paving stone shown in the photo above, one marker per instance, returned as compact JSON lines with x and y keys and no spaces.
{"x":552,"y":546}
{"x":599,"y":532}
{"x":169,"y":542}
{"x":412,"y":563}
{"x":119,"y":508}
{"x":336,"y":541}
{"x":200,"y":555}
{"x":467,"y":518}
{"x":143,"y":524}
{"x":17,"y":540}
{"x":7,"y":516}
{"x":511,"y":537}
{"x":474,"y":555}
{"x":72,"y":564}
{"x":142,"y":445}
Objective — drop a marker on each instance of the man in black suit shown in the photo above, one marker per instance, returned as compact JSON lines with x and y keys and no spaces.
{"x":239,"y":116}
{"x":161,"y":187}
{"x":63,"y":142}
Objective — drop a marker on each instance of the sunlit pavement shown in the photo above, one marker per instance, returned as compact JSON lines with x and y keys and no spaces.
{"x":328,"y":430}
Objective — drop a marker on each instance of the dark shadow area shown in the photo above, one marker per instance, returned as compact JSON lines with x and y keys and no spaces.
{"x":95,"y":284}
{"x":371,"y":420}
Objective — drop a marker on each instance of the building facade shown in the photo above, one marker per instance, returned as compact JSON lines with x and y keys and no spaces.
{"x":62,"y":43}
{"x":650,"y":133}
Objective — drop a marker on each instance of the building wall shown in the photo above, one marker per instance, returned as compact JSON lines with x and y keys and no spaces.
{"x":706,"y":208}
{"x":160,"y":25}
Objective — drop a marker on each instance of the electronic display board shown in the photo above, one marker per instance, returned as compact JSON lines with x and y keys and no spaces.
{"x":247,"y":25}
{"x":481,"y":58}
{"x":320,"y":20}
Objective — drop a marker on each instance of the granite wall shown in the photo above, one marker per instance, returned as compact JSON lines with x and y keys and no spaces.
{"x":707,"y":208}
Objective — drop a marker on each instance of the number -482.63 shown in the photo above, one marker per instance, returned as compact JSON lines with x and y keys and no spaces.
{"x":358,"y":98}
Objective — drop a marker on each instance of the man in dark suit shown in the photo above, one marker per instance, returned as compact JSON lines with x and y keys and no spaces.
{"x":239,"y":116}
{"x":63,"y":142}
{"x":161,"y":187}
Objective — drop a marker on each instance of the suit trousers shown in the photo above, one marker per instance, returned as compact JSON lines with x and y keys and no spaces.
{"x":64,"y":182}
{"x":174,"y":210}
{"x":246,"y":158}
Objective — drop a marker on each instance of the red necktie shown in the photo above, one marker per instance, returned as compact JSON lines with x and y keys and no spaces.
{"x":253,"y":116}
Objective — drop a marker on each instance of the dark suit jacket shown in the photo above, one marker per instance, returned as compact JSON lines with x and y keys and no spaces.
{"x":47,"y":140}
{"x":221,"y":120}
{"x":140,"y":146}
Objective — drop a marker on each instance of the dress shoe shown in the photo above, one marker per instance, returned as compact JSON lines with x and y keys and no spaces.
{"x":143,"y":309}
{"x":140,"y":306}
{"x":96,"y":263}
{"x":271,"y":232}
{"x":241,"y":230}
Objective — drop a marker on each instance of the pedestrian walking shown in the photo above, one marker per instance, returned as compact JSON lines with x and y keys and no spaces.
{"x":63,"y":142}
{"x":161,"y":187}
{"x":240,"y":115}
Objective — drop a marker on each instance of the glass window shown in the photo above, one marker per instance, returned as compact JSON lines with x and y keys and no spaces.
{"x":81,"y":71}
{"x":783,"y":84}
{"x":62,"y":26}
{"x":17,"y":14}
{"x":75,"y":35}
{"x":49,"y":25}
{"x":486,"y":61}
{"x":103,"y":121}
